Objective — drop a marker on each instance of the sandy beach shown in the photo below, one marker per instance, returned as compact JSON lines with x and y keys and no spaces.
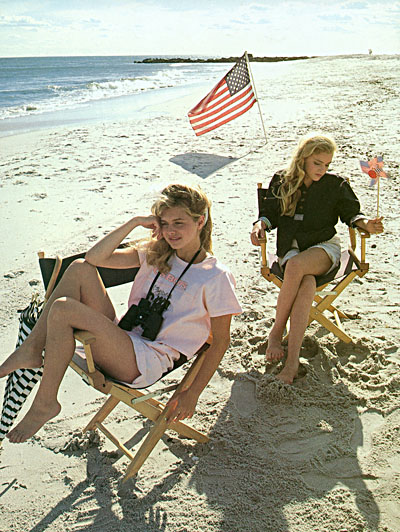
{"x":322,"y":455}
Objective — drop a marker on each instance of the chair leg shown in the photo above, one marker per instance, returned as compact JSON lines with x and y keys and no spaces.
{"x":161,"y":425}
{"x":147,"y":446}
{"x":152,"y":409}
{"x":328,"y":300}
{"x":332,"y":309}
{"x":323,"y":320}
{"x":113,"y":439}
{"x":188,"y":432}
{"x":101,"y":415}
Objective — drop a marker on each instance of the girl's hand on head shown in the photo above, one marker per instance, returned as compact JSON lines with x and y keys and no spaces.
{"x":375,"y":226}
{"x":257,"y":233}
{"x":151,"y":222}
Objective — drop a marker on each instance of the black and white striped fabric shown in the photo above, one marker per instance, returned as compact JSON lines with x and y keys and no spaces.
{"x":20,"y":382}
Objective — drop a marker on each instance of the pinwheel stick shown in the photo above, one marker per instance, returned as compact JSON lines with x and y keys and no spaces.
{"x":374,"y":168}
{"x":377,"y":198}
{"x":374,"y":175}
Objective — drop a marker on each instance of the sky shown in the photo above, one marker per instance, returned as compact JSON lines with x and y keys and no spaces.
{"x":198,"y":27}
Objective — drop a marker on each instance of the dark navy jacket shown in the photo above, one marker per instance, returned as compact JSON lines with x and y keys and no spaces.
{"x":317,"y":212}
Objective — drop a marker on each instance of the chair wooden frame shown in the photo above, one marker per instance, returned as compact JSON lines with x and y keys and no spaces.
{"x":144,"y":403}
{"x":324,"y":299}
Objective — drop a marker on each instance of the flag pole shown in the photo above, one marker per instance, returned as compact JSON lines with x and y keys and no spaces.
{"x":255,"y":92}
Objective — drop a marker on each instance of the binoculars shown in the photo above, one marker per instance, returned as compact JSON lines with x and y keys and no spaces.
{"x":147,"y":314}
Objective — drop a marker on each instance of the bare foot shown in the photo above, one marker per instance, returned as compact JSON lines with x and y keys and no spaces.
{"x":274,"y":349}
{"x":23,"y":357}
{"x":35,"y":418}
{"x":288,"y":373}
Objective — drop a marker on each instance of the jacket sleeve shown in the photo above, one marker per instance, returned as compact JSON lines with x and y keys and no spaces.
{"x":268,"y":203}
{"x":348,"y":205}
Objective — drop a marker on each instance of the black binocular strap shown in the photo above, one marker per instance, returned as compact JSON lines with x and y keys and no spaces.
{"x":179,"y":278}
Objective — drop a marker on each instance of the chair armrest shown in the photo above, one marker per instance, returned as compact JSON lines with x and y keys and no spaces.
{"x":363,"y":233}
{"x":84,"y":337}
{"x":263,"y":251}
{"x":353,"y":241}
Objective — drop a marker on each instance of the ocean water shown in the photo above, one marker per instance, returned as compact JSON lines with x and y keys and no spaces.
{"x":42,"y":92}
{"x":39,"y":91}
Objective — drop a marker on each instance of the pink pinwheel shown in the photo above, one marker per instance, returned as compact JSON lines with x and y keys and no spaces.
{"x":374,"y":168}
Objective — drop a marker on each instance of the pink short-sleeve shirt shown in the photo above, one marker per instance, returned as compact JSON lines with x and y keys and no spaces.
{"x":206,"y":290}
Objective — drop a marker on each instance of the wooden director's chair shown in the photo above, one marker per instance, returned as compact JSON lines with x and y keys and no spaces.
{"x":350,"y":267}
{"x":144,"y":403}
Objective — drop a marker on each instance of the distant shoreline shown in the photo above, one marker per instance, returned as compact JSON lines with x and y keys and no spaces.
{"x":222,"y":59}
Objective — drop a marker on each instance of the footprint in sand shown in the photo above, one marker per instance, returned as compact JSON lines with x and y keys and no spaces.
{"x":304,"y":448}
{"x":244,"y":397}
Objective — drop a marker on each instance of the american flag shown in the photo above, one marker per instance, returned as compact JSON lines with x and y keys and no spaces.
{"x":230,"y":98}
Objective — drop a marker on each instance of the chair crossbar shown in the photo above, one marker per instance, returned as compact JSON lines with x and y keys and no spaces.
{"x":109,"y":435}
{"x":326,"y":293}
{"x":156,"y":393}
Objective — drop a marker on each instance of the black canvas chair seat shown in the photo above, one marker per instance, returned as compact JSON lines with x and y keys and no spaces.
{"x":345,"y":266}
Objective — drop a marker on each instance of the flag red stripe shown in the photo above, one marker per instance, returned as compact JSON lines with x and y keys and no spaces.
{"x":198,"y":133}
{"x":222,"y":120}
{"x":202,"y":105}
{"x":221,"y":107}
{"x":217,"y":99}
{"x":228,"y":111}
{"x":213,"y":106}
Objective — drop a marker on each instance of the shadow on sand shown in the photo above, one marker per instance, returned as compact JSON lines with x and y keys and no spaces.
{"x":281,"y":457}
{"x":202,"y":164}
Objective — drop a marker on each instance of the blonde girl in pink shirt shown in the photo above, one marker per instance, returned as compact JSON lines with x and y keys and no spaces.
{"x":187,"y":295}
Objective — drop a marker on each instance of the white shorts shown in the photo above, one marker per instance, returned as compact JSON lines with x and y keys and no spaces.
{"x":153,"y":359}
{"x":332,"y":248}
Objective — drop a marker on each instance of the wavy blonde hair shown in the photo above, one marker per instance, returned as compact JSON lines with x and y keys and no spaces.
{"x":196,"y":204}
{"x":293,"y":177}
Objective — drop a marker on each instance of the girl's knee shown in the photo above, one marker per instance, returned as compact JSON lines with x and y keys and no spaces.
{"x":309,"y":282}
{"x":294,"y":267}
{"x":60,"y":309}
{"x":79,"y":267}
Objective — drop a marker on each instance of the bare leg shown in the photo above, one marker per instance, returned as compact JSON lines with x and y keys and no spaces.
{"x":113,"y":351}
{"x":290,"y":286}
{"x":298,"y":323}
{"x":313,"y":261}
{"x":81,"y":282}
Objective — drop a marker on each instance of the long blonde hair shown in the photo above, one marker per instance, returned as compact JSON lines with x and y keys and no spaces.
{"x":196,"y":204}
{"x":293,"y":177}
